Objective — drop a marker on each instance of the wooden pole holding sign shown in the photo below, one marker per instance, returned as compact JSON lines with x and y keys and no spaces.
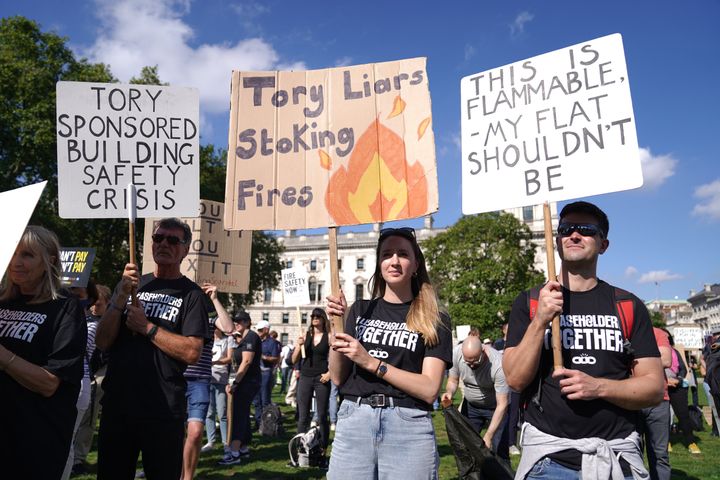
{"x":132,"y":215}
{"x":228,"y":439}
{"x":302,"y":347}
{"x":337,"y":321}
{"x":552,"y":276}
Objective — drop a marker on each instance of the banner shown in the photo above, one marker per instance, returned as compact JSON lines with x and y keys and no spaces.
{"x":688,"y":337}
{"x":76,"y":266}
{"x":295,"y":287}
{"x":216,"y":255}
{"x":341,"y":146}
{"x":110,"y":135}
{"x":549,"y":128}
{"x":17,"y":206}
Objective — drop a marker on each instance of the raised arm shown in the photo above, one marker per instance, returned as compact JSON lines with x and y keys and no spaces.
{"x":109,"y":325}
{"x":223,"y":322}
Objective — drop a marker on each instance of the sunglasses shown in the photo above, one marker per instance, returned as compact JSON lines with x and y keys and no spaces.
{"x":171,"y":239}
{"x":584,"y":229}
{"x":407,"y":232}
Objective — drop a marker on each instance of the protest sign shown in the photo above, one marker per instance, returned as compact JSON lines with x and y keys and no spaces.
{"x":17,"y":206}
{"x":549,"y":128}
{"x":216,"y":255}
{"x":688,"y":337}
{"x":340,"y":146}
{"x":110,"y":135}
{"x":295,"y":287}
{"x":76,"y":264}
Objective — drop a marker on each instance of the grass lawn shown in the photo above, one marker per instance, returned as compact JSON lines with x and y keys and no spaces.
{"x":270,"y":456}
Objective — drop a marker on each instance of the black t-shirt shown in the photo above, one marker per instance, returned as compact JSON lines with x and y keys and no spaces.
{"x":316,"y":361}
{"x":51,"y":335}
{"x":142,"y":381}
{"x":381,"y":328}
{"x":250,"y":343}
{"x":592,"y":343}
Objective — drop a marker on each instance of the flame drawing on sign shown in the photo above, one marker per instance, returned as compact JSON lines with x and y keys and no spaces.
{"x":378,"y":184}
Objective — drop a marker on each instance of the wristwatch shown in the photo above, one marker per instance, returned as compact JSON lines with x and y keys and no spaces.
{"x":152,"y":332}
{"x":382,"y":369}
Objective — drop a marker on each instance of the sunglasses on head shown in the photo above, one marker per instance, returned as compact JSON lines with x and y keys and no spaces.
{"x":584,"y":229}
{"x":171,"y":239}
{"x":407,"y":232}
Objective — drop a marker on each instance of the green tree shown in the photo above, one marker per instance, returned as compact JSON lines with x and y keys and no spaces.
{"x":479,"y":265}
{"x":657,"y":318}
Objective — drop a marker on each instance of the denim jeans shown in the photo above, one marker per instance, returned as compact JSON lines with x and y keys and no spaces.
{"x":547,"y":469}
{"x":383,"y":443}
{"x":333,"y":405}
{"x":198,"y":400}
{"x":656,"y":429}
{"x":218,"y":407}
{"x":262,"y":399}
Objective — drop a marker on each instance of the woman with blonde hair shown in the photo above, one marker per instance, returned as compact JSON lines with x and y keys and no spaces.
{"x":42,"y":344}
{"x":389,"y":365}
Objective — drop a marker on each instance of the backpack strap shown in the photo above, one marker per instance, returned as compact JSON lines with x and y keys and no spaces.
{"x":533,"y":295}
{"x":625,"y":305}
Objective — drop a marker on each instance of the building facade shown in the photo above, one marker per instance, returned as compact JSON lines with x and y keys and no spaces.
{"x":706,"y":307}
{"x":356,"y":254}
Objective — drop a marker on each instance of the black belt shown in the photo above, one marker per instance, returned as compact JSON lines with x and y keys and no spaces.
{"x":380,"y":400}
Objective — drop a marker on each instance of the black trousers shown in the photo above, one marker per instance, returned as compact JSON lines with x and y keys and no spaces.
{"x":241,"y":400}
{"x":679,"y":403}
{"x":306,"y":387}
{"x":122,"y":438}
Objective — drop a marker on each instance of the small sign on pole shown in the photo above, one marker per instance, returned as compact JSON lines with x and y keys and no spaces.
{"x":296,"y":292}
{"x":76,"y":266}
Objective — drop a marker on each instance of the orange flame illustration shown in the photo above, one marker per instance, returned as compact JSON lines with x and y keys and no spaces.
{"x":378,"y":184}
{"x":422,"y":127}
{"x":398,"y":107}
{"x":325,"y":160}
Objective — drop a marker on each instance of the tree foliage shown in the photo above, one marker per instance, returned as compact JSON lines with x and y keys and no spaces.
{"x":479,"y":265}
{"x":31,"y":63}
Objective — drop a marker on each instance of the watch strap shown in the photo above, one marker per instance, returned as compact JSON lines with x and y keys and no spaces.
{"x":153,"y":331}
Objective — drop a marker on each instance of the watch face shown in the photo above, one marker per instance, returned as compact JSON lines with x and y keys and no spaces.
{"x":382,"y":369}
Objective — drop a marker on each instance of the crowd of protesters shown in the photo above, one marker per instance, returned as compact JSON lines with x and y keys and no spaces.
{"x":160,"y":361}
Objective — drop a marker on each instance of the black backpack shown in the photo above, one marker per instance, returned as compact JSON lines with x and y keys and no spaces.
{"x":271,"y":421}
{"x":712,"y":371}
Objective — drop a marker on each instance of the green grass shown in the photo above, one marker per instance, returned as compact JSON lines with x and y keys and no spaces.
{"x":270,"y":455}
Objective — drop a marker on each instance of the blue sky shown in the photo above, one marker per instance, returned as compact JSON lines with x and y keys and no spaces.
{"x":665,"y":237}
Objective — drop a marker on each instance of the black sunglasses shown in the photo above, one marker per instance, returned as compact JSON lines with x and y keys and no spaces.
{"x":584,"y":229}
{"x":407,"y":232}
{"x":171,"y":239}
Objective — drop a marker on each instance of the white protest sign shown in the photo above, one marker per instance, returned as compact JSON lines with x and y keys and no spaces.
{"x":110,"y":135}
{"x":295,"y":287}
{"x":549,"y":128}
{"x":462,"y":331}
{"x":17,"y":206}
{"x":688,"y":337}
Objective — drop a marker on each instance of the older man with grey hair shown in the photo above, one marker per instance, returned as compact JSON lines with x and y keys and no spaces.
{"x":486,"y":392}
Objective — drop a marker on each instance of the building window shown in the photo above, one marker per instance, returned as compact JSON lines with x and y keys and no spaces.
{"x":266,"y":316}
{"x":359,"y":291}
{"x":313,"y":265}
{"x":312,"y":288}
{"x":339,"y":263}
{"x":528,"y":214}
{"x":286,"y":317}
{"x":288,"y":264}
{"x":361,"y":264}
{"x":267,"y":298}
{"x":303,"y":317}
{"x":284,"y":338}
{"x":320,"y":292}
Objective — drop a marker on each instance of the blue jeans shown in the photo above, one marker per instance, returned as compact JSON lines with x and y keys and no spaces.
{"x":656,"y":429}
{"x":333,"y":405}
{"x":218,"y":406}
{"x":383,"y":443}
{"x":262,"y":399}
{"x":198,"y":400}
{"x":547,"y":469}
{"x":479,"y":418}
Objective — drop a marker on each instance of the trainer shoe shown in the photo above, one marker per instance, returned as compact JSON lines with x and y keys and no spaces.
{"x":244,"y":451}
{"x":207,"y":447}
{"x":332,"y":427}
{"x":514,"y":450}
{"x":694,"y":449}
{"x":230,"y":459}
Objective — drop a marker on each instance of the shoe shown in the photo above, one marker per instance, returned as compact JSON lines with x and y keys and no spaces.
{"x":207,"y":447}
{"x":514,"y":450}
{"x":230,"y":459}
{"x":332,"y":427}
{"x":140,"y":473}
{"x":244,"y":451}
{"x":669,"y":447}
{"x":694,"y":449}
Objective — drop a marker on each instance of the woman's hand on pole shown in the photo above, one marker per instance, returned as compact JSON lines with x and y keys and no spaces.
{"x":353,"y":350}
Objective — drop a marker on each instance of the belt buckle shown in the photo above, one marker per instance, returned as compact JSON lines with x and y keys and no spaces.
{"x":377,"y":400}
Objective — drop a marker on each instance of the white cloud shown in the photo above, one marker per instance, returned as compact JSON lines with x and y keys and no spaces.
{"x":710,"y":200}
{"x":469,"y":51}
{"x":138,"y":33}
{"x":343,"y":61}
{"x":656,"y":169}
{"x":657,"y":276}
{"x":631,"y":271}
{"x":248,"y":12}
{"x":518,"y":25}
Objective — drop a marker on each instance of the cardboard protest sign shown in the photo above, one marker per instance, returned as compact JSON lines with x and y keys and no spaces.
{"x":295,"y":287}
{"x":76,"y":266}
{"x":339,"y":146}
{"x":216,"y":255}
{"x":549,"y":128}
{"x":17,"y":206}
{"x":688,"y":337}
{"x":110,"y":135}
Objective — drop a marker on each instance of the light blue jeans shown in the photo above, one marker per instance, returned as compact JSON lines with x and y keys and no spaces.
{"x":383,"y":443}
{"x":547,"y":469}
{"x":218,"y":406}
